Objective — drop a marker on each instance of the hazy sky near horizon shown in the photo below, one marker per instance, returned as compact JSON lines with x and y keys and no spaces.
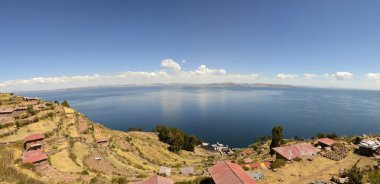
{"x":75,"y":43}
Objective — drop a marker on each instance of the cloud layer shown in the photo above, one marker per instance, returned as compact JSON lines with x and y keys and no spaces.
{"x":171,"y":72}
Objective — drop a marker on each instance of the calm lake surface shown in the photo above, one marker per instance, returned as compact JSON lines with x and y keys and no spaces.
{"x":231,"y":115}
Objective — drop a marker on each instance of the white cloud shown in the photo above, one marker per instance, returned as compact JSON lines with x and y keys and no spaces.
{"x":286,"y":76}
{"x":203,"y":70}
{"x":183,"y":61}
{"x":170,"y":73}
{"x":170,"y":64}
{"x":372,"y":76}
{"x":342,"y":75}
{"x":310,"y":76}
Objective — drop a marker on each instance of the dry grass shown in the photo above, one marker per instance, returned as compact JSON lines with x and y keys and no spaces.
{"x":135,"y":161}
{"x":319,"y":168}
{"x":69,"y":110}
{"x":63,"y":163}
{"x":80,"y":151}
{"x":41,"y":127}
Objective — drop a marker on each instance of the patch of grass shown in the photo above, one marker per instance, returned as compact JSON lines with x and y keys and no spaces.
{"x":278,"y":163}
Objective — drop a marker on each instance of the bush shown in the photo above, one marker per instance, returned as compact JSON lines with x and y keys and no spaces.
{"x":29,"y":166}
{"x":298,"y":159}
{"x":278,"y":163}
{"x":135,"y":129}
{"x":65,"y":104}
{"x":119,"y":180}
{"x":31,"y":110}
{"x":84,"y":172}
{"x":246,"y":168}
{"x":354,"y":175}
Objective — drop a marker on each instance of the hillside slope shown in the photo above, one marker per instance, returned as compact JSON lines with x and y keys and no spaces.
{"x":80,"y":151}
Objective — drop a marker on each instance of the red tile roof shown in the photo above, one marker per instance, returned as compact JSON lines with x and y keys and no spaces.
{"x":158,"y":180}
{"x":247,"y":160}
{"x":32,"y":152}
{"x":101,"y":140}
{"x":296,"y":150}
{"x":326,"y":141}
{"x":6,"y":110}
{"x":225,"y":172}
{"x":34,"y":137}
{"x":33,"y":158}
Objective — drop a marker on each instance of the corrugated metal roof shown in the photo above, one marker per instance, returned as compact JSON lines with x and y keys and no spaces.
{"x":297,"y":150}
{"x":32,"y":152}
{"x":158,"y":180}
{"x":34,"y":137}
{"x":35,"y":158}
{"x":326,"y":141}
{"x":6,"y":110}
{"x":225,"y":172}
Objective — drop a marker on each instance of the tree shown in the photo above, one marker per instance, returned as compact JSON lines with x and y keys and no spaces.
{"x":65,"y":104}
{"x":277,"y":138}
{"x":31,"y":110}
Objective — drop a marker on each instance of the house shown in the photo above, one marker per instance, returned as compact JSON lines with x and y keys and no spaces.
{"x":325,"y":142}
{"x":34,"y":146}
{"x":368,"y":147}
{"x":187,"y":171}
{"x":165,"y":171}
{"x":6,"y":111}
{"x":101,"y":141}
{"x":35,"y":158}
{"x":32,"y":152}
{"x":226,"y":172}
{"x":301,"y":150}
{"x":31,"y":139}
{"x":247,"y":160}
{"x":158,"y":180}
{"x":31,"y":98}
{"x":247,"y":152}
{"x":21,"y":108}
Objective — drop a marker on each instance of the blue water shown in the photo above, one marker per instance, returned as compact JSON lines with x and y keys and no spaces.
{"x":231,"y":115}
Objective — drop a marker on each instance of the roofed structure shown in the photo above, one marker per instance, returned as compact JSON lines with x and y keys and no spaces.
{"x":103,"y":140}
{"x":301,"y":150}
{"x":326,"y":141}
{"x":6,"y":111}
{"x":34,"y":137}
{"x":165,"y":170}
{"x":32,"y":152}
{"x":35,"y":158}
{"x":188,"y":170}
{"x":226,"y":172}
{"x":158,"y":180}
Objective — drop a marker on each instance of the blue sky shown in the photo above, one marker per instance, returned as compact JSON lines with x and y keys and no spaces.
{"x":51,"y":39}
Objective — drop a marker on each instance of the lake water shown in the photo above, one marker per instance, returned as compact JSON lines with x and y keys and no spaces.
{"x":231,"y":115}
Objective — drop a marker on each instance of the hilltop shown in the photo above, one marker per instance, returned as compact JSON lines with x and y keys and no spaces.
{"x":81,"y":151}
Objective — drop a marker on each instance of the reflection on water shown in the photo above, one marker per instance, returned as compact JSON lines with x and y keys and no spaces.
{"x":232,"y":115}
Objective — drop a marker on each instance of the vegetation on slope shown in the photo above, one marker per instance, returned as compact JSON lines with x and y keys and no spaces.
{"x":177,"y":139}
{"x":9,"y":173}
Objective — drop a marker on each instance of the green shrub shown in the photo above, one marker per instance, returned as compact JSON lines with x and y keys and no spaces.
{"x":84,"y":172}
{"x":29,"y":166}
{"x":297,"y":159}
{"x":65,"y":104}
{"x":278,"y":163}
{"x":246,"y":168}
{"x":354,"y":174}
